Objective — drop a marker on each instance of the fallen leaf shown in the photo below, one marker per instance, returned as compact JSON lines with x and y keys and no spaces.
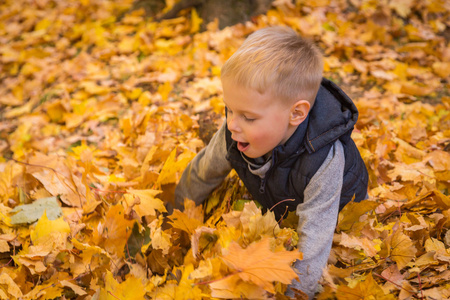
{"x":29,"y":213}
{"x":258,"y":264}
{"x":181,"y":221}
{"x":146,"y":204}
{"x":45,"y":227}
{"x":399,"y":248}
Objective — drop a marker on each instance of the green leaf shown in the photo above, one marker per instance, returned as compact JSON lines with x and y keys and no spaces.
{"x":29,"y":213}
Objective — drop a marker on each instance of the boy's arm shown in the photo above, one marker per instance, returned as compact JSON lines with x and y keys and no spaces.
{"x":317,"y":219}
{"x":205,"y":172}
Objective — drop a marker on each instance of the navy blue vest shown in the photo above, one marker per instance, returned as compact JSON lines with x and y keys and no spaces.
{"x":332,"y":117}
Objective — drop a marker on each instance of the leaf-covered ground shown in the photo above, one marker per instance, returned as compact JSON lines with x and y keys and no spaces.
{"x":101,"y":109}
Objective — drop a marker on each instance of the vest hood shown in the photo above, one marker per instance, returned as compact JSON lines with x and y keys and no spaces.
{"x":332,"y":115}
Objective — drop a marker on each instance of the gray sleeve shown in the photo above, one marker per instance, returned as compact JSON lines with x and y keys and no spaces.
{"x":317,"y":219}
{"x":205,"y":172}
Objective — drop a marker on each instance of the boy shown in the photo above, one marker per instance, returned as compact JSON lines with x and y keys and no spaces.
{"x":287,"y":135}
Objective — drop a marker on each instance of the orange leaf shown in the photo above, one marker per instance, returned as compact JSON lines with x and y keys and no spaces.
{"x":234,"y":288}
{"x":258,"y":264}
{"x":366,"y":289}
{"x":439,"y":160}
{"x":57,"y":178}
{"x":181,"y":221}
{"x":114,"y":233}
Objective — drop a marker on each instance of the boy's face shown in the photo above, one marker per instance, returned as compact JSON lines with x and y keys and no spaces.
{"x":258,"y":122}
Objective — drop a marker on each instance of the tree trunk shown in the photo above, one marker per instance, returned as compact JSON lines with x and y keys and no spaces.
{"x":228,"y":12}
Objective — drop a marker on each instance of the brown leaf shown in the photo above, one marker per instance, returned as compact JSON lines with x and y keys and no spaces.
{"x":158,"y":262}
{"x":352,"y":211}
{"x":398,"y":247}
{"x":393,"y":275}
{"x":57,"y":178}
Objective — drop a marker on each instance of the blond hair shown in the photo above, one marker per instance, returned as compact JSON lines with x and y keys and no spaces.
{"x":277,"y":60}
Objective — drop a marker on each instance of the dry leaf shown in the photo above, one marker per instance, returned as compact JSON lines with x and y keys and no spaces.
{"x":399,"y":248}
{"x":260,"y":265}
{"x":103,"y":112}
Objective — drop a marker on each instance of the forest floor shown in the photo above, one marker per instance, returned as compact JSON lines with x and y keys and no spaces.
{"x":101,"y":109}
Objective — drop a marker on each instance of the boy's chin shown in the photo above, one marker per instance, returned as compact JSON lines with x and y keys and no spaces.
{"x":252,"y":154}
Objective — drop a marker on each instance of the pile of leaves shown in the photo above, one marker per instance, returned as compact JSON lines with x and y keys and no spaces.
{"x":102,"y":108}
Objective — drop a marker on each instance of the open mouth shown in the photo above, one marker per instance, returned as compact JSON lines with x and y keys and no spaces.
{"x":242,"y":146}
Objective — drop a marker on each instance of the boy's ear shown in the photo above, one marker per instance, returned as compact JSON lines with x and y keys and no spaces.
{"x":299,"y":112}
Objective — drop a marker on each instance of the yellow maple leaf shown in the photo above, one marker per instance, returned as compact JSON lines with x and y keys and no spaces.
{"x":173,"y":166}
{"x":416,"y":89}
{"x":402,"y":7}
{"x":128,"y":44}
{"x":196,"y":21}
{"x":259,"y":265}
{"x":164,"y":90}
{"x":203,"y":239}
{"x":441,"y":200}
{"x":45,"y":227}
{"x":144,"y":202}
{"x":442,"y":69}
{"x":258,"y":225}
{"x":181,"y":221}
{"x":205,"y":268}
{"x":365,"y":289}
{"x":130,"y":289}
{"x":4,"y":246}
{"x":45,"y":291}
{"x":8,"y":177}
{"x":159,"y":238}
{"x":90,"y":257}
{"x":181,"y":289}
{"x":437,"y":247}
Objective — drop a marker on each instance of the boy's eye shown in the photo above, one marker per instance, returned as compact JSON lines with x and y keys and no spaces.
{"x":248,"y":119}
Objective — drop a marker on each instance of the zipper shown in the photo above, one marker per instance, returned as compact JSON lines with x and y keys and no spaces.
{"x":262,"y":186}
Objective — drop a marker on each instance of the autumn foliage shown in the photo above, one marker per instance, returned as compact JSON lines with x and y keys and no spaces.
{"x":102,"y":108}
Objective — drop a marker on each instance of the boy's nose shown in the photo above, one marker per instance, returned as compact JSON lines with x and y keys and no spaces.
{"x":232,"y":124}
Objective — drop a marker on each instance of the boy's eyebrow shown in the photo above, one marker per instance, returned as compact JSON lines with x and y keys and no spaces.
{"x":242,"y":111}
{"x":245,"y":112}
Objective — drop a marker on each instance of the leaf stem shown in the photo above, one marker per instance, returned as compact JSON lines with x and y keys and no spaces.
{"x":399,"y":286}
{"x":103,"y":191}
{"x":420,"y":286}
{"x":216,"y":280}
{"x":109,"y":292}
{"x":285,"y":200}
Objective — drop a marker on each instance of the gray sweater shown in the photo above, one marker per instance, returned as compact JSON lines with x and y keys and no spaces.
{"x":317,"y":214}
